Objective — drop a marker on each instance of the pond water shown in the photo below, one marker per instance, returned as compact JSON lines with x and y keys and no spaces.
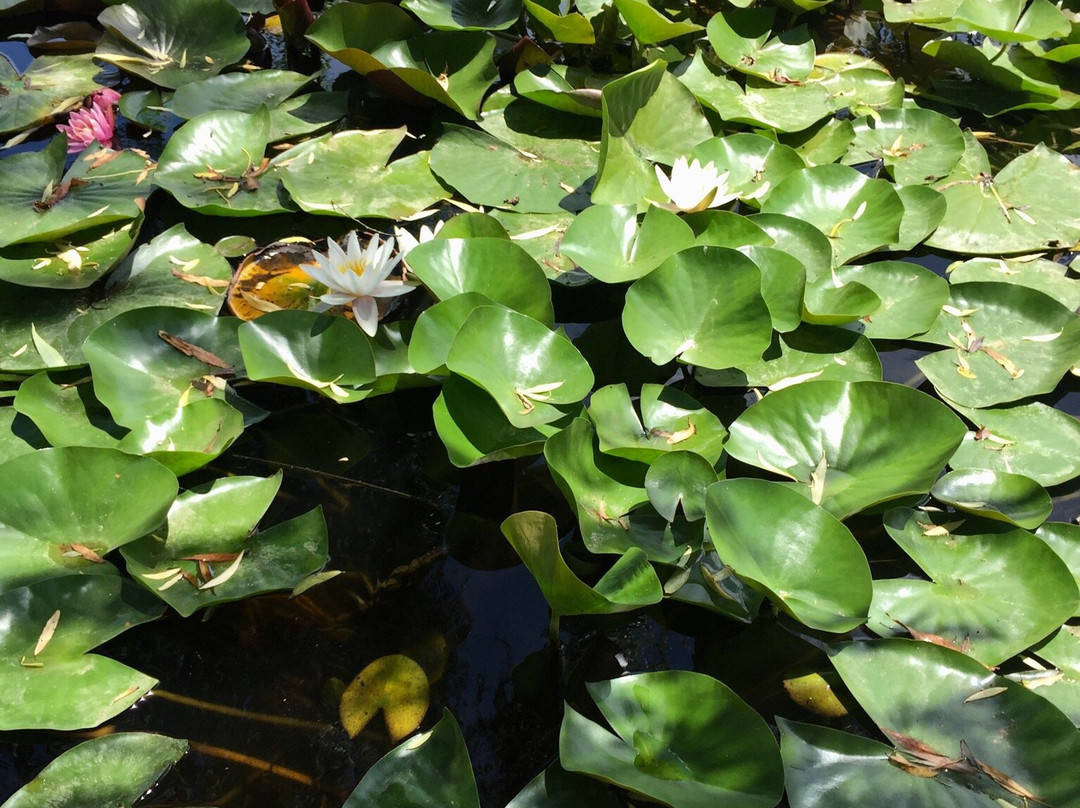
{"x":255,"y":685}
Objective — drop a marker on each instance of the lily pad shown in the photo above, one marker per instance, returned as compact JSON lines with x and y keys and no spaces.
{"x":233,"y":566}
{"x":349,"y":174}
{"x":992,"y":592}
{"x":754,"y":164}
{"x":810,"y":352}
{"x":702,"y":306}
{"x":649,"y":116}
{"x":214,"y":164}
{"x":1032,"y":439}
{"x":555,"y":787}
{"x":810,"y":565}
{"x":466,"y":15}
{"x":563,"y":87}
{"x":1008,"y":342}
{"x":676,"y":479}
{"x":826,"y":768}
{"x":741,"y":39}
{"x":69,"y":263}
{"x":924,"y":692}
{"x":303,"y":349}
{"x":431,"y":769}
{"x":173,"y":269}
{"x":383,"y":43}
{"x":436,"y":328}
{"x":572,"y":28}
{"x":995,"y":494}
{"x":662,"y":722}
{"x":630,"y":583}
{"x":48,"y":628}
{"x":857,"y":215}
{"x":1049,"y":277}
{"x":240,"y":92}
{"x":533,"y":373}
{"x":847,"y":443}
{"x":916,"y":145}
{"x":49,"y":86}
{"x":487,"y":170}
{"x":98,"y":499}
{"x":649,"y":26}
{"x":113,"y":770}
{"x":911,"y":297}
{"x":140,"y":373}
{"x":1064,"y":539}
{"x":393,"y":685}
{"x":172,"y":43}
{"x":1010,"y":211}
{"x":608,"y":243}
{"x":670,"y":421}
{"x":500,"y":270}
{"x":40,"y":205}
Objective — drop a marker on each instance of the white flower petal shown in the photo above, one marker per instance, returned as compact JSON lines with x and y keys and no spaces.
{"x":366,"y":311}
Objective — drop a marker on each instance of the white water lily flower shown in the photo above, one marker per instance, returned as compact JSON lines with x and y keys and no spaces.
{"x":356,"y":277}
{"x":693,"y":186}
{"x":406,"y":240}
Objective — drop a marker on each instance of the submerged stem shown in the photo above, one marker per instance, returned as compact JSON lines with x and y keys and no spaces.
{"x":253,"y":762}
{"x":279,"y":720}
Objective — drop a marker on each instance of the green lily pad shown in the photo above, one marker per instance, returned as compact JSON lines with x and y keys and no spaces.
{"x":630,"y":583}
{"x":172,"y":43}
{"x":670,"y":421}
{"x":924,"y":208}
{"x":833,"y":301}
{"x":572,"y":28}
{"x":679,"y":478}
{"x":466,"y":15}
{"x":555,"y":787}
{"x":48,"y":628}
{"x":1064,"y":539}
{"x":69,"y":263}
{"x":823,"y":142}
{"x":911,"y":297}
{"x":113,"y":770}
{"x":996,"y":494}
{"x":349,"y":174}
{"x":742,"y":39}
{"x":602,"y":488}
{"x":500,"y":270}
{"x":149,"y":108}
{"x":924,"y":692}
{"x":992,"y":592}
{"x":1010,"y":211}
{"x":662,"y":722}
{"x":533,"y":373}
{"x":214,"y":164}
{"x":272,"y":559}
{"x":138,"y":374}
{"x":811,"y":352}
{"x":811,"y":565}
{"x":1032,"y":439}
{"x":608,"y":243}
{"x":383,"y":43}
{"x":649,"y":26}
{"x":916,"y":145}
{"x":847,"y":443}
{"x":799,"y":239}
{"x":239,"y":92}
{"x":1013,"y":20}
{"x":172,"y":269}
{"x":488,"y":171}
{"x":39,"y":204}
{"x":826,"y":768}
{"x":474,"y":429}
{"x":702,"y":306}
{"x":540,"y":235}
{"x":98,"y":499}
{"x":857,"y":215}
{"x":436,"y":328}
{"x":563,"y":87}
{"x":754,"y":164}
{"x":432,"y":768}
{"x":649,"y":116}
{"x":783,"y":284}
{"x":1048,"y":277}
{"x":1007,"y":343}
{"x":304,"y":349}
{"x":49,"y":86}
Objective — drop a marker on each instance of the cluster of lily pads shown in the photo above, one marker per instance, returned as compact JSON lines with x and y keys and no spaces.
{"x":720,"y":206}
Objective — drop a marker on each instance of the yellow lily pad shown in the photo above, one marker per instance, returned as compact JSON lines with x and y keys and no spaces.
{"x":271,"y":279}
{"x":813,"y":693}
{"x":395,"y":685}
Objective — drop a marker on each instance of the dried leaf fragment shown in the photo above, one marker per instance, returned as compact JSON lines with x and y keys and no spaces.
{"x":47,"y":632}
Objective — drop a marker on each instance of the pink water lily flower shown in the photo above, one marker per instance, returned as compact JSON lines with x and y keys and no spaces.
{"x":95,"y":122}
{"x":356,"y":277}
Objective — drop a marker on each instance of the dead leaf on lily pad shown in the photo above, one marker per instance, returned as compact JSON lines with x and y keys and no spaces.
{"x":271,"y":279}
{"x":395,"y":685}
